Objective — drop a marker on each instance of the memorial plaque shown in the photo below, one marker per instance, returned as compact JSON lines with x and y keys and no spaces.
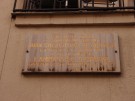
{"x":72,"y":53}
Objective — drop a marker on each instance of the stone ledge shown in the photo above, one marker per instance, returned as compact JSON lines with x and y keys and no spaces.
{"x":74,"y":19}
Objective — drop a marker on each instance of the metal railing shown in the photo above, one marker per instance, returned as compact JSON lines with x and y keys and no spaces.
{"x":72,"y":5}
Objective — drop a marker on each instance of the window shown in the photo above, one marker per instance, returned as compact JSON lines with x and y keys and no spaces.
{"x":47,"y":4}
{"x":74,"y":5}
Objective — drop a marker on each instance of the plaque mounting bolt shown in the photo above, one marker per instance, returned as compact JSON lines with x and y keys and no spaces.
{"x":27,"y":51}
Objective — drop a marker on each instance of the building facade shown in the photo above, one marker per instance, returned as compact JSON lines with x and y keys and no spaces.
{"x":21,"y":17}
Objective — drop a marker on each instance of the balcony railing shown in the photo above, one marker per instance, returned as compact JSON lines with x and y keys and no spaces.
{"x":73,"y":5}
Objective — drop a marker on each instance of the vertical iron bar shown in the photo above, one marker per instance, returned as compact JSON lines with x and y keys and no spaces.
{"x":32,"y":1}
{"x":93,"y":3}
{"x":54,"y":4}
{"x":119,"y":3}
{"x":32,"y":4}
{"x":80,"y":6}
{"x":134,"y":4}
{"x":24,"y":4}
{"x":28,"y":3}
{"x":113,"y":3}
{"x":14,"y":5}
{"x":107,"y":3}
{"x":40,"y":4}
{"x":123,"y":3}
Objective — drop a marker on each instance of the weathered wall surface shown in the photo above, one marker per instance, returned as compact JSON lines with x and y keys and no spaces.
{"x":16,"y":87}
{"x":5,"y":22}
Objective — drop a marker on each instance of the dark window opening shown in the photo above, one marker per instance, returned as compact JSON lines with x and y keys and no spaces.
{"x":59,"y":3}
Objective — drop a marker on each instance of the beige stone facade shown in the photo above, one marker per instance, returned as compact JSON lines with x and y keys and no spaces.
{"x":17,"y":87}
